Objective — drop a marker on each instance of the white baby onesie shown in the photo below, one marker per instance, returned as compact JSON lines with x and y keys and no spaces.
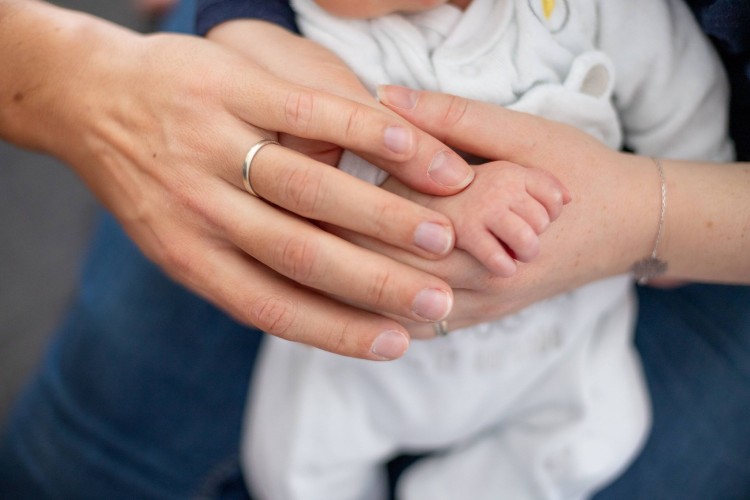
{"x":549,"y":402}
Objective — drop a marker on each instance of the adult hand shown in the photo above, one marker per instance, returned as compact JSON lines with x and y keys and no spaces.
{"x":610,"y":223}
{"x":157,"y":126}
{"x":482,"y":295}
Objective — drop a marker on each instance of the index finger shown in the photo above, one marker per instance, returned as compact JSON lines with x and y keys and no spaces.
{"x":413,"y":156}
{"x":485,"y":129}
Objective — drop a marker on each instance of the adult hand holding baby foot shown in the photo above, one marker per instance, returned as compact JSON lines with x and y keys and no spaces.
{"x":499,"y":217}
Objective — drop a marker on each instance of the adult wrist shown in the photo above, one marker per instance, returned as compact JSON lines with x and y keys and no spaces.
{"x":642,"y":209}
{"x":47,"y":105}
{"x":622,"y":220}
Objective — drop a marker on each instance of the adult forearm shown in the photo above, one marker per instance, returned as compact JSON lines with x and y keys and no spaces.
{"x":36,"y":47}
{"x":612,"y":221}
{"x":44,"y":50}
{"x":706,"y":226}
{"x":157,"y":126}
{"x":707,"y":223}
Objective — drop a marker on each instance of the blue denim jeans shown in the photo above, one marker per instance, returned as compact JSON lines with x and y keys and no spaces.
{"x":695,"y":346}
{"x":139,"y":396}
{"x":142,"y":391}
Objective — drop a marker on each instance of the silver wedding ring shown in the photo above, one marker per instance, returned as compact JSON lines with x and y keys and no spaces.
{"x":248,"y":163}
{"x":441,"y":328}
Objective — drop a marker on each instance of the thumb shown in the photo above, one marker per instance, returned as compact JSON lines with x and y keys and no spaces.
{"x":483,"y":129}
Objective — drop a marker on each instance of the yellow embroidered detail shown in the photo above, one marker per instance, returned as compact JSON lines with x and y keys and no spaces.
{"x":548,"y":6}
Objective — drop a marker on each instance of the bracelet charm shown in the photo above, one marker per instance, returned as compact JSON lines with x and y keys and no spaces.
{"x":648,"y":268}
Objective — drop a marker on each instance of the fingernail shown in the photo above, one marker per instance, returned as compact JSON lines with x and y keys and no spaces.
{"x":435,"y":238}
{"x":432,"y":304}
{"x":390,"y":344}
{"x":398,"y":97}
{"x":448,"y":169}
{"x":398,"y":139}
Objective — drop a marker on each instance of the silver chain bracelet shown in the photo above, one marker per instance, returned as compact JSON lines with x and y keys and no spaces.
{"x":652,"y":266}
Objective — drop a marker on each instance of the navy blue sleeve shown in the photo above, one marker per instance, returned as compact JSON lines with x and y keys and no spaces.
{"x":727,"y":23}
{"x":210,"y":13}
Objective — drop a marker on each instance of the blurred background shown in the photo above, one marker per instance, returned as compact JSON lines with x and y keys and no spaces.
{"x":46,"y":216}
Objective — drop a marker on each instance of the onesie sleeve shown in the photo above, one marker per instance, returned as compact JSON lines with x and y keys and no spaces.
{"x":210,"y":13}
{"x":671,"y":89}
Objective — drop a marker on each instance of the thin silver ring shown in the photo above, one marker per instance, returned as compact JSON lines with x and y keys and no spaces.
{"x":440,"y":328}
{"x":248,"y":163}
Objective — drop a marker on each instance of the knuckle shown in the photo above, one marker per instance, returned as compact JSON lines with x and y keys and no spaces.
{"x":377,"y":288}
{"x":298,"y":258}
{"x":191,"y":200}
{"x":354,"y":122}
{"x":298,"y":110}
{"x":304,"y":190}
{"x":336,"y":340}
{"x":180,"y":263}
{"x":273,"y":314}
{"x":455,"y":111}
{"x":383,"y":217}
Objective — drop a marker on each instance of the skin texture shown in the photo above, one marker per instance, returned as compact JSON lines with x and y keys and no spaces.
{"x":601,"y":233}
{"x":479,"y":294}
{"x":157,"y":127}
{"x":499,"y":217}
{"x":510,"y":209}
{"x":606,"y":227}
